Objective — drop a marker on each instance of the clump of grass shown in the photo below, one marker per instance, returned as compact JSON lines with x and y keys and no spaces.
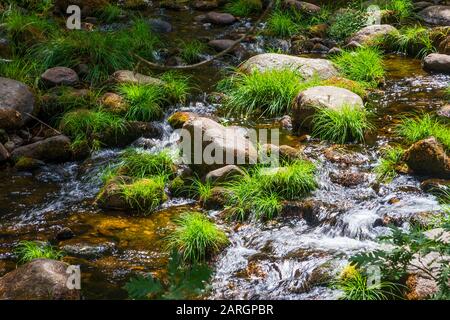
{"x":176,"y":87}
{"x":200,"y":190}
{"x":144,"y":101}
{"x":30,"y":250}
{"x":355,"y":286}
{"x":110,"y":13}
{"x":346,"y":23}
{"x":347,"y":124}
{"x":21,"y":69}
{"x":41,"y":6}
{"x":145,"y":195}
{"x":386,"y":170}
{"x":425,"y":126}
{"x":364,"y":65}
{"x":402,"y":9}
{"x":103,"y":52}
{"x":196,"y":237}
{"x":190,"y":51}
{"x":414,"y":40}
{"x":243,"y":8}
{"x":140,"y":164}
{"x":85,"y":126}
{"x":261,"y":190}
{"x":282,"y":24}
{"x":26,"y":29}
{"x":268,"y":93}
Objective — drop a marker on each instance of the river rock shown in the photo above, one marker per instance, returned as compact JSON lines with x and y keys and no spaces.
{"x":348,"y":178}
{"x":221,"y":145}
{"x":309,"y":100}
{"x":307,"y":67}
{"x":437,"y":62}
{"x":428,"y":157}
{"x":59,"y":76}
{"x":437,"y":15}
{"x":223,"y":44}
{"x":40,"y":279}
{"x":368,"y":34}
{"x":302,"y":6}
{"x":160,"y":26}
{"x":444,"y":45}
{"x":444,"y":111}
{"x":128,"y":76}
{"x":110,"y":196}
{"x":14,"y":97}
{"x":422,"y":5}
{"x":179,"y":118}
{"x":114,"y":103}
{"x":54,"y":149}
{"x":217,"y":199}
{"x":4,"y":154}
{"x":133,"y":130}
{"x":205,"y":5}
{"x":223,"y":174}
{"x":219,"y":18}
{"x":284,"y":152}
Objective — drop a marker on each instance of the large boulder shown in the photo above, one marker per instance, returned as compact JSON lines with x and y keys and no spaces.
{"x":307,"y":102}
{"x":59,"y":76}
{"x":40,"y":279}
{"x":437,"y":15}
{"x":428,"y":157}
{"x":437,"y":62}
{"x":15,"y":97}
{"x":128,"y":76}
{"x":53,"y":149}
{"x":302,"y":6}
{"x":208,"y":145}
{"x":307,"y":67}
{"x":219,"y":18}
{"x":368,"y":34}
{"x":224,"y":174}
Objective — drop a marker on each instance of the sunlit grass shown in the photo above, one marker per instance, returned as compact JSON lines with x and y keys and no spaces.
{"x":30,"y":250}
{"x":386,"y":168}
{"x":145,"y":195}
{"x":140,"y":164}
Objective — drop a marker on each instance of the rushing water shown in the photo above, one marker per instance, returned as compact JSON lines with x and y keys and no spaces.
{"x":288,"y":258}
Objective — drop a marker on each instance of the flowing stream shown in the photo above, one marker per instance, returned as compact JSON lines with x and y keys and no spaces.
{"x":287,"y":258}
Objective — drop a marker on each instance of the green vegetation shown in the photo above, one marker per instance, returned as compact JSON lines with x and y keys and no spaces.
{"x":424,"y":126}
{"x":141,"y":164}
{"x":347,"y":124}
{"x":268,"y":93}
{"x":243,"y":8}
{"x":354,"y":285}
{"x":200,"y":190}
{"x":26,"y":29}
{"x":30,"y":250}
{"x":282,"y":24}
{"x":41,"y":6}
{"x":86,"y":126}
{"x":183,"y":282}
{"x":21,"y":69}
{"x":196,"y":237}
{"x":413,"y":40}
{"x":176,"y":87}
{"x":386,"y":169}
{"x":346,"y":23}
{"x":402,"y":9}
{"x":258,"y":191}
{"x":190,"y":51}
{"x":145,"y":195}
{"x":103,"y":52}
{"x":144,"y":101}
{"x":110,"y":13}
{"x":401,"y":248}
{"x":364,"y":65}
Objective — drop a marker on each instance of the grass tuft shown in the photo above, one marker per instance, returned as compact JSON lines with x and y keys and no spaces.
{"x":144,"y":101}
{"x":364,"y":65}
{"x":145,"y":195}
{"x":386,"y":169}
{"x":347,"y":124}
{"x":282,"y":24}
{"x":425,"y":126}
{"x":141,"y":164}
{"x":413,"y":40}
{"x":30,"y":250}
{"x":243,"y":8}
{"x":346,"y":23}
{"x":196,"y":237}
{"x":190,"y":51}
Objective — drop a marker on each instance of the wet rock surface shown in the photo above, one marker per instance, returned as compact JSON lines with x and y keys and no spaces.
{"x":14,"y":97}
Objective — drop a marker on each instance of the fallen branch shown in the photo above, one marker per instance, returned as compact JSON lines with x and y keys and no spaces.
{"x":42,"y":122}
{"x":218,"y":55}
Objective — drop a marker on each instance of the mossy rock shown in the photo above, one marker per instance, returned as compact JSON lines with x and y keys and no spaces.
{"x":178,"y":119}
{"x":26,"y":163}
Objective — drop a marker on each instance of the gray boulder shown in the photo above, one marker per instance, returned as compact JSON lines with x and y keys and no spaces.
{"x":437,"y":62}
{"x":53,"y":149}
{"x":307,"y":67}
{"x":224,"y":174}
{"x":59,"y":76}
{"x":437,"y":15}
{"x":40,"y":279}
{"x":368,"y":34}
{"x":307,"y":102}
{"x":15,"y":97}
